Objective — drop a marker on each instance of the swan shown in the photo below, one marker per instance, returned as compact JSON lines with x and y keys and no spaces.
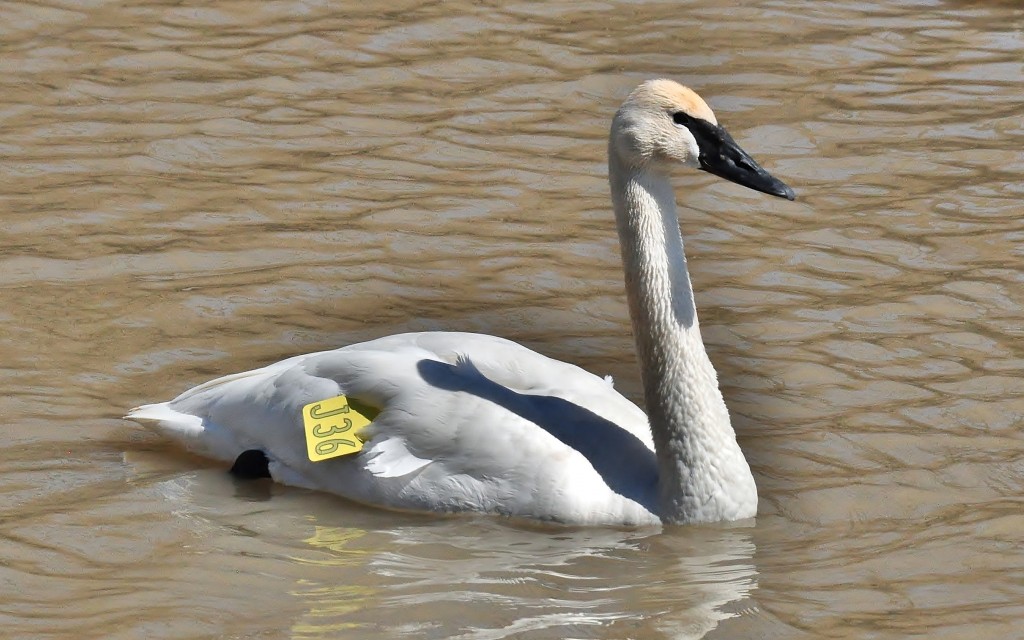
{"x":462,"y":422}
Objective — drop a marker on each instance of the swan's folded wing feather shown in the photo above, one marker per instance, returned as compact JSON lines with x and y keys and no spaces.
{"x":389,"y":457}
{"x":528,"y":372}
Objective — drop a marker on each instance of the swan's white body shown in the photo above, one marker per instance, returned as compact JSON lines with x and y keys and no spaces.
{"x":477,"y":423}
{"x":458,"y":431}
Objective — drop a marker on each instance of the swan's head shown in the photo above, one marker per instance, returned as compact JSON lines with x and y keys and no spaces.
{"x":663,"y":124}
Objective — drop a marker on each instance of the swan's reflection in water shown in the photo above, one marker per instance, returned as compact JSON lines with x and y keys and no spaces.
{"x":319,"y":567}
{"x":482,"y":579}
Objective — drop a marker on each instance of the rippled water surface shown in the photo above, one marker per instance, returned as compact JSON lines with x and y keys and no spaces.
{"x":192,"y":189}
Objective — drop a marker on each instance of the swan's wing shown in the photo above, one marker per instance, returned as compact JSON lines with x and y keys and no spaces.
{"x":514,"y":366}
{"x":467,"y":422}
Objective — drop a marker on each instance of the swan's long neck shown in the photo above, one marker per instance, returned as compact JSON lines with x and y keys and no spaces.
{"x":703,"y":475}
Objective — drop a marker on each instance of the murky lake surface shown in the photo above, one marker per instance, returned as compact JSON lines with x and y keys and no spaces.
{"x":189,"y":190}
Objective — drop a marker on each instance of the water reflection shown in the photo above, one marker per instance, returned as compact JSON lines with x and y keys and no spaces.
{"x":447,"y":578}
{"x":341,"y":568}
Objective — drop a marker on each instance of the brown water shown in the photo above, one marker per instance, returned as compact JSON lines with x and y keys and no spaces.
{"x":191,"y":189}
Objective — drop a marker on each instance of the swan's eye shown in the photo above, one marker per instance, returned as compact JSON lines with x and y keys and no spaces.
{"x":681,"y":118}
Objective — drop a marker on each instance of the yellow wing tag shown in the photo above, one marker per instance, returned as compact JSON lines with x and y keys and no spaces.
{"x":332,"y":427}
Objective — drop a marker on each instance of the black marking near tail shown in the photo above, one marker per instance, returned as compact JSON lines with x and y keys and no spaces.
{"x":251,"y":464}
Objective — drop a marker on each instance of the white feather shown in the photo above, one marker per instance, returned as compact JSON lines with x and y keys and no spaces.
{"x":389,"y":458}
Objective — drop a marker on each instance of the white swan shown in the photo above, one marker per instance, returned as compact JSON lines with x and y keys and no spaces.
{"x":473,"y":422}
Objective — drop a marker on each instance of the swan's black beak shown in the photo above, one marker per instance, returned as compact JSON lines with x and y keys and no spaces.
{"x":721,"y":156}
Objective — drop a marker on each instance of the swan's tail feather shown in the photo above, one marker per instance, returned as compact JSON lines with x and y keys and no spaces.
{"x":163,"y":419}
{"x":188,"y":430}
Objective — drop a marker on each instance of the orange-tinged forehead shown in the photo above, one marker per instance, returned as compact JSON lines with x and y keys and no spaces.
{"x":669,"y":94}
